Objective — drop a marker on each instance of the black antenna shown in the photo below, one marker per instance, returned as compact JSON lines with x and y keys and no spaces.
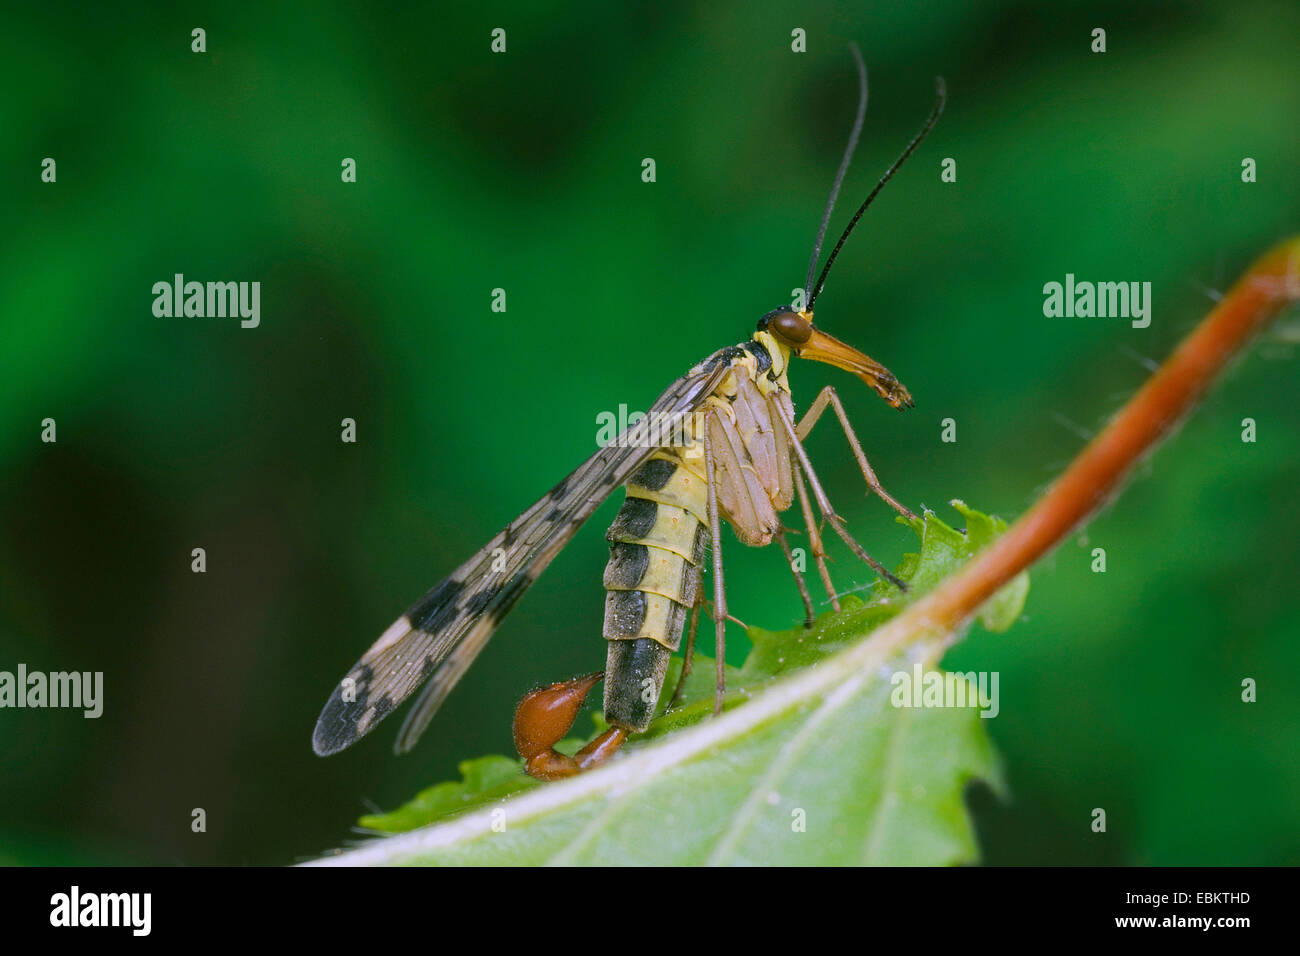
{"x":844,"y":164}
{"x":940,"y":98}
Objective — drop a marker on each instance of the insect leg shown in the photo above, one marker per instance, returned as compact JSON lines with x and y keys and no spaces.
{"x":545,"y":716}
{"x":800,"y":583}
{"x":708,"y":606}
{"x":824,"y":505}
{"x":688,"y":656}
{"x":719,"y":592}
{"x":828,"y":396}
{"x":815,"y":538}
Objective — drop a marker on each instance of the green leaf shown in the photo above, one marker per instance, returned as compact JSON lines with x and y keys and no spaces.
{"x":816,"y":760}
{"x":483,"y":780}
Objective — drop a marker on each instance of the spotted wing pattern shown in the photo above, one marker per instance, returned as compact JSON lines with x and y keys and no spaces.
{"x":441,"y":634}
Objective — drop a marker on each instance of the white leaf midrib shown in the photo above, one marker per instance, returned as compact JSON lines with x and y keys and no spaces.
{"x":626,"y":776}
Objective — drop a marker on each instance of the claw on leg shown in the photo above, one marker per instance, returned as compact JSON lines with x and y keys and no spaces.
{"x":542,"y":719}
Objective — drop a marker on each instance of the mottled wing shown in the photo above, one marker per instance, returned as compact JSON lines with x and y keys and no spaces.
{"x":441,"y":634}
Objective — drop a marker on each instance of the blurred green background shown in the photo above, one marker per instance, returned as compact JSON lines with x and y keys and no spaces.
{"x":522,"y":171}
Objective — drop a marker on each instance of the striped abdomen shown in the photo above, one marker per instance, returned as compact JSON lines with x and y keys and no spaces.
{"x":657,"y":544}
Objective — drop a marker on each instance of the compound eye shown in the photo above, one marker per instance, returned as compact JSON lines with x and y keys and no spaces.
{"x":791,"y":327}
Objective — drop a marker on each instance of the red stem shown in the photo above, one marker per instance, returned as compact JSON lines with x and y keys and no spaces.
{"x":1265,"y":289}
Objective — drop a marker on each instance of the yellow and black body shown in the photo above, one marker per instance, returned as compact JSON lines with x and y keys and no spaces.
{"x":660,"y":537}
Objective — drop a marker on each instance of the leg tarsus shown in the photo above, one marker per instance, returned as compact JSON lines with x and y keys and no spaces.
{"x":837,"y":523}
{"x":800,"y":583}
{"x":688,"y":657}
{"x":815,"y":538}
{"x":824,"y":504}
